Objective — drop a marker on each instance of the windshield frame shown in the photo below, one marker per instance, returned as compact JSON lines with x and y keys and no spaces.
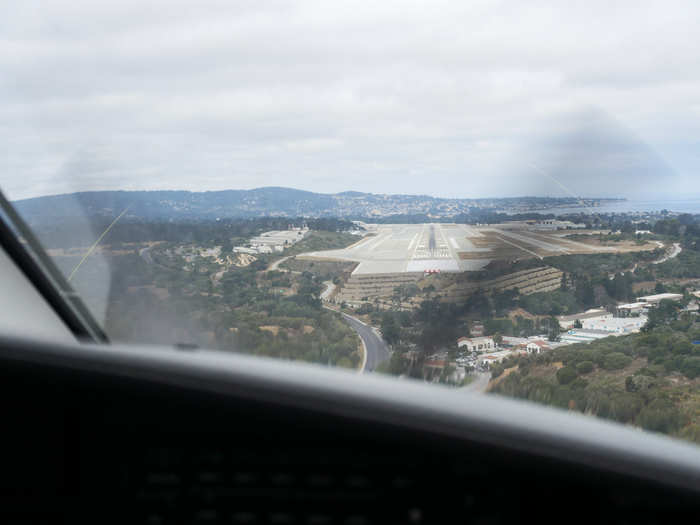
{"x":20,"y":244}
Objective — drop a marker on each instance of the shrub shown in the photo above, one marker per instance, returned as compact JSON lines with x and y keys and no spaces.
{"x":579,"y":383}
{"x":616,"y":361}
{"x":660,"y":416}
{"x":691,"y":367}
{"x":646,"y":371}
{"x":585,"y":367}
{"x":625,"y":407}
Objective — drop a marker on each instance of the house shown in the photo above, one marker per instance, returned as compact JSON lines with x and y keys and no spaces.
{"x":476,"y":344}
{"x":536,"y":347}
{"x":513,"y":342}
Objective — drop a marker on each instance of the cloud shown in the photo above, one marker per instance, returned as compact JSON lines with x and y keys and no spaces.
{"x":444,"y":98}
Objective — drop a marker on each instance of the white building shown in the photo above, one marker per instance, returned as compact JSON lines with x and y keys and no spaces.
{"x":554,"y":224}
{"x":494,"y":357}
{"x":692,"y":307}
{"x":536,"y":347}
{"x":568,"y":321}
{"x":617,"y":325}
{"x":584,"y":336}
{"x":243,"y":249}
{"x":278,"y":240}
{"x":653,"y":300}
{"x":476,"y":344}
{"x":625,"y":310}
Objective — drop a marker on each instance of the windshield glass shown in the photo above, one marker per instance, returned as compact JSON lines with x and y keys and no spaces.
{"x":496,"y":197}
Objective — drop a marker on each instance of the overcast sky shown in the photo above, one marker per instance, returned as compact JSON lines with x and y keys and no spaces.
{"x":461,"y":99}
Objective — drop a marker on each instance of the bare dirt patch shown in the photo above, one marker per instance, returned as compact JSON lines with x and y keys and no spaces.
{"x":515,"y":312}
{"x":506,"y":373}
{"x":502,"y":248}
{"x":619,"y":246}
{"x":272,"y":328}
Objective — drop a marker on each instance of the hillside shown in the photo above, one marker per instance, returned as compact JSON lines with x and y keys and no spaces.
{"x":650,"y":380}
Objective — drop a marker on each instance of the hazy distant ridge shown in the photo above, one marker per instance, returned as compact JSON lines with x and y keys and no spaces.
{"x":269,"y":201}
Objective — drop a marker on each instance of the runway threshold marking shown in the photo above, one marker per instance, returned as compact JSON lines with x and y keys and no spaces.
{"x":528,"y":239}
{"x":450,"y":254}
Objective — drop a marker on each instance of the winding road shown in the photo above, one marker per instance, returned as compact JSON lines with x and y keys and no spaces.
{"x":275,"y":266}
{"x":675,"y":250}
{"x":145,"y":253}
{"x":376,"y":349}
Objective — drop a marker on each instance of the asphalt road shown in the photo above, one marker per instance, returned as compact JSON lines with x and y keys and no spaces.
{"x":377,"y":349}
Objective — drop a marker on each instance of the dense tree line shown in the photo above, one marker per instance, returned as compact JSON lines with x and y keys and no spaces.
{"x":72,"y":233}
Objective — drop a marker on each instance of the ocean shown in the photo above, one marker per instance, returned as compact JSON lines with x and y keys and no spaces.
{"x":631,"y":206}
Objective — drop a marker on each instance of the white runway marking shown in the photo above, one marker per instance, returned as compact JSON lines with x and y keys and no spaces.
{"x":527,"y":239}
{"x":521,"y":248}
{"x":413,"y":241}
{"x":407,"y":248}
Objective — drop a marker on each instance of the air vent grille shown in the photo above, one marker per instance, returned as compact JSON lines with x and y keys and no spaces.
{"x":249,"y":487}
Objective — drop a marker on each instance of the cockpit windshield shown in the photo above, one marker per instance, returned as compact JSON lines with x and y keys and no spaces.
{"x":494,"y":197}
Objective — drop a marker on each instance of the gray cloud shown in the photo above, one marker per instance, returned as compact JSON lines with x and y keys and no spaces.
{"x":446,"y":98}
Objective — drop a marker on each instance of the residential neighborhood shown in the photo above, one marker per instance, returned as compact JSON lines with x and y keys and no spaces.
{"x":478,"y":353}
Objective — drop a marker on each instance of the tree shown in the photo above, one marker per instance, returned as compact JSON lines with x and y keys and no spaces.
{"x":585,"y":292}
{"x":391,"y":331}
{"x":554,"y":328}
{"x":566,"y":375}
{"x":478,"y":303}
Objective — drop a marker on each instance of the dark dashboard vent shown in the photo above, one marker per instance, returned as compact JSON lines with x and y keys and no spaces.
{"x":249,"y":487}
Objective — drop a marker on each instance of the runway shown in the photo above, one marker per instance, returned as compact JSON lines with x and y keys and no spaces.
{"x":411,"y":248}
